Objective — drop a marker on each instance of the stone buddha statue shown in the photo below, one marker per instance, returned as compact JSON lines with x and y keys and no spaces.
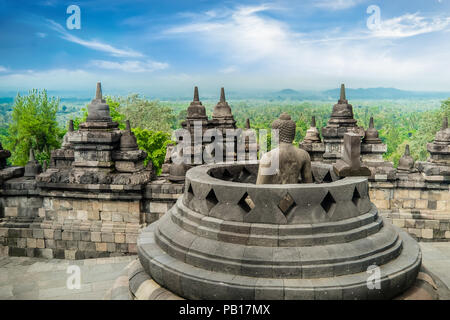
{"x":286,"y":164}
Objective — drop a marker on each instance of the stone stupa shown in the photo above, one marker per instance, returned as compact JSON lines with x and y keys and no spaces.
{"x":372,"y":150}
{"x":437,"y":167}
{"x":229,"y":239}
{"x":98,"y":153}
{"x":341,"y":122}
{"x":222,"y":117}
{"x":312,"y":142}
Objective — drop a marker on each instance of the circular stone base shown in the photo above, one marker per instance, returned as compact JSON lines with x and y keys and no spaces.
{"x":195,"y":283}
{"x":135,"y":284}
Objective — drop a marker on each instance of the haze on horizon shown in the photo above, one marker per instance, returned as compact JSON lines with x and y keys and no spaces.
{"x":167,"y":47}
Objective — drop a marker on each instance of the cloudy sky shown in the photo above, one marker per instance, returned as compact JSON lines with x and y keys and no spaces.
{"x":163,"y":47}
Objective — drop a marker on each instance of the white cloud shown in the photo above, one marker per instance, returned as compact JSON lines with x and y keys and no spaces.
{"x":405,"y":26}
{"x":130,"y":65}
{"x":53,"y":79}
{"x":410,"y":25}
{"x":41,"y":34}
{"x":230,"y":69}
{"x":3,"y":69}
{"x":336,"y":4}
{"x":276,"y":55}
{"x":251,"y":36}
{"x":48,"y":3}
{"x":93,"y":44}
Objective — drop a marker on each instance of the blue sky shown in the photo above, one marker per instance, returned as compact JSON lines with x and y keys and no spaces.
{"x":164,"y":47}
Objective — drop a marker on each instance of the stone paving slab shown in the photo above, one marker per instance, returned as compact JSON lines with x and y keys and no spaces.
{"x":436,"y":257}
{"x":23,"y":278}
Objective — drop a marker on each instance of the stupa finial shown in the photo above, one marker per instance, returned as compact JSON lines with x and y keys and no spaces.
{"x":407,"y":153}
{"x":247,"y":123}
{"x":98,"y":92}
{"x":342,"y":98}
{"x":71,"y":126}
{"x":445,"y":123}
{"x":128,"y":126}
{"x":31,"y":156}
{"x":371,"y":125}
{"x":313,"y":121}
{"x":222,"y":94}
{"x":196,"y":98}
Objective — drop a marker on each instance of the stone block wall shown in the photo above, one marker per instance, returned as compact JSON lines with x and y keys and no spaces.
{"x":159,"y":197}
{"x":19,"y":199}
{"x":20,"y":206}
{"x":75,"y":229}
{"x":421,"y":209}
{"x":77,"y":225}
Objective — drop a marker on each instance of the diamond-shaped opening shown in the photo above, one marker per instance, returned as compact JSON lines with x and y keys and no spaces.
{"x":216,"y":173}
{"x":190,"y":192}
{"x":327,"y":178}
{"x":189,"y":195}
{"x":246,"y":203}
{"x":244,"y":175}
{"x":286,"y":204}
{"x":328,"y":203}
{"x":211,"y":198}
{"x":227,"y":175}
{"x":356,"y":197}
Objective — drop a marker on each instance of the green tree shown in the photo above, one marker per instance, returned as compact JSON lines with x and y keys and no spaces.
{"x":146,"y":114}
{"x":33,"y":125}
{"x":428,"y":124}
{"x":155,"y":144}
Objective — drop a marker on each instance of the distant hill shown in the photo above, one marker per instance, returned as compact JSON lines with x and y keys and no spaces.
{"x":356,"y":94}
{"x":385,"y":93}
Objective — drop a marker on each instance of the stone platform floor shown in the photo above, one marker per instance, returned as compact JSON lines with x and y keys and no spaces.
{"x":436,"y":258}
{"x":24,"y":278}
{"x":34,"y":278}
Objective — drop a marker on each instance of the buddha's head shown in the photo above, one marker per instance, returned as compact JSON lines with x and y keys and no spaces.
{"x":286,"y":127}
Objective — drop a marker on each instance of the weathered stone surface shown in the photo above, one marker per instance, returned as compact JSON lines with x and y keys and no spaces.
{"x":32,"y":168}
{"x":350,"y":164}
